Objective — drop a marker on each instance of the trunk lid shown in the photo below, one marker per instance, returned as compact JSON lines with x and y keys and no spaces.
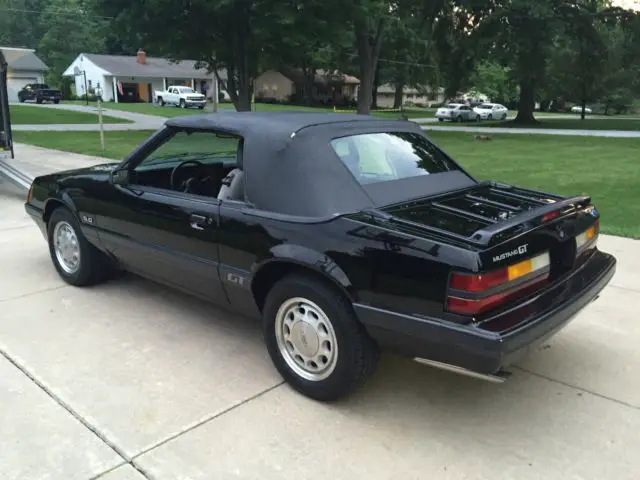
{"x":504,"y":224}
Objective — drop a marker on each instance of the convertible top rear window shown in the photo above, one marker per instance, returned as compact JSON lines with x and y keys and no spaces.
{"x":380,"y":157}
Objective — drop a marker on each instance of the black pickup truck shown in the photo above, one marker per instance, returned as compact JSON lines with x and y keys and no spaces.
{"x":342,"y":234}
{"x":39,"y":92}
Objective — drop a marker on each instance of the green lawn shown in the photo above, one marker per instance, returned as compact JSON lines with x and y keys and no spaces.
{"x":170,"y":111}
{"x":27,"y":115}
{"x":605,"y":168}
{"x":570,"y":123}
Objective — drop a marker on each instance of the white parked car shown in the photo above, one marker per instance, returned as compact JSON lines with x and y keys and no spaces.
{"x":456,"y":112}
{"x":183,"y":97}
{"x":578,"y":109}
{"x":491,"y":111}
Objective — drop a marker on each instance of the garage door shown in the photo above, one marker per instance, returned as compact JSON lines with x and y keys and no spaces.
{"x":14,"y":85}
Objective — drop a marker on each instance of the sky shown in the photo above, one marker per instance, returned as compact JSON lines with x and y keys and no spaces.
{"x":627,"y":4}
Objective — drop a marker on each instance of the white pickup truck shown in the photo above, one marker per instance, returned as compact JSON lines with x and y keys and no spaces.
{"x":183,"y":97}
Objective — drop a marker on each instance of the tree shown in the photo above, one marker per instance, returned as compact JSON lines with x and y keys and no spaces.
{"x":69,"y":28}
{"x":221,"y":34}
{"x":495,"y":81}
{"x":19,"y":22}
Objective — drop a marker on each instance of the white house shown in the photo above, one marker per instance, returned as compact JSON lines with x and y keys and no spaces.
{"x":125,"y":78}
{"x":23,"y":67}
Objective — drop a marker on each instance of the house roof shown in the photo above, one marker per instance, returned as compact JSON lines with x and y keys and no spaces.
{"x":128,"y":66}
{"x":322,"y":77}
{"x":23,"y":59}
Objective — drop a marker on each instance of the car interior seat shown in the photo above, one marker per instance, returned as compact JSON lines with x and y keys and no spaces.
{"x":233,"y":184}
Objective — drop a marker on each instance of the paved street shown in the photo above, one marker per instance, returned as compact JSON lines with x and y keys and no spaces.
{"x":130,"y":381}
{"x":152,"y":122}
{"x":538,"y":131}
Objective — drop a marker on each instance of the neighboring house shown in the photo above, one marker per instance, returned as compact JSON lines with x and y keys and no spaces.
{"x":124,"y":78}
{"x":424,"y":96}
{"x":23,"y":67}
{"x":327,"y":87}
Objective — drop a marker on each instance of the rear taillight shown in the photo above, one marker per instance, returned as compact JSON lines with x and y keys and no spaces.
{"x":471,"y":294}
{"x":589,"y":237}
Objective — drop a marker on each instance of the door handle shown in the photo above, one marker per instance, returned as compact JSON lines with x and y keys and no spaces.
{"x":198,"y":222}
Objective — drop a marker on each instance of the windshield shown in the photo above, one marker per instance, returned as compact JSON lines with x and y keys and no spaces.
{"x":186,"y":90}
{"x":380,"y":157}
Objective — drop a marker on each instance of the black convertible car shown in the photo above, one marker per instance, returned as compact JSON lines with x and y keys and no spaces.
{"x":343,"y":234}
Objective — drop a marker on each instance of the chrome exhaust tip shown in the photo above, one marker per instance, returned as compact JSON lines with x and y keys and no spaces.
{"x":500,"y":377}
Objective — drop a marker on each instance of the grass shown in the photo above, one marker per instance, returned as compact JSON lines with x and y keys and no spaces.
{"x":170,"y":111}
{"x":605,"y":168}
{"x":568,"y":123}
{"x":28,"y":115}
{"x":118,"y":144}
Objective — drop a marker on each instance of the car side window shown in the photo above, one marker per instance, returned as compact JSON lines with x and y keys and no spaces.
{"x":190,"y":161}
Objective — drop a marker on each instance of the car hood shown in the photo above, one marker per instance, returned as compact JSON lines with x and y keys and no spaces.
{"x":96,"y":172}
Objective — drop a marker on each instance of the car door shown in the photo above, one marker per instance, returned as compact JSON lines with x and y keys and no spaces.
{"x":159,"y":232}
{"x":171,"y":96}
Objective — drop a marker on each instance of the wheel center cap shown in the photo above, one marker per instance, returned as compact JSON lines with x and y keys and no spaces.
{"x":305,"y":338}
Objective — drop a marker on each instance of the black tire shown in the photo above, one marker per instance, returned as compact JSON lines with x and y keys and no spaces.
{"x":477,"y":118}
{"x":183,"y":103}
{"x":504,"y":117}
{"x":94,"y":266}
{"x":490,"y":117}
{"x":161,"y":102}
{"x":441,"y":119}
{"x":201,"y":107}
{"x":459,"y":119}
{"x":38,"y":100}
{"x":20,"y":98}
{"x":56,"y":102}
{"x":357,"y":353}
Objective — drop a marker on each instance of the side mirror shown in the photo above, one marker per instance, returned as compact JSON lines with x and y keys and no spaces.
{"x":120,"y":177}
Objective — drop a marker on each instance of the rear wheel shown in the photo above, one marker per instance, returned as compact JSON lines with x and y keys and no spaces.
{"x":477,"y":118}
{"x":38,"y":100}
{"x":161,"y":102}
{"x":77,"y":261}
{"x":441,"y":119}
{"x":314,"y":339}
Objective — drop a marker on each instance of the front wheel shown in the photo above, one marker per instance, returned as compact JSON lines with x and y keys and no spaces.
{"x":459,"y":119}
{"x":314,"y":339}
{"x":490,"y":117}
{"x":504,"y":117}
{"x":77,"y":261}
{"x":477,"y":118}
{"x":183,"y":104}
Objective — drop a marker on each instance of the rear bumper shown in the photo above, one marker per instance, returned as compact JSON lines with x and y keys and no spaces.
{"x":497,"y":342}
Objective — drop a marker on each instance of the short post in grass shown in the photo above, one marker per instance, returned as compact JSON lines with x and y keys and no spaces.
{"x":99,"y":98}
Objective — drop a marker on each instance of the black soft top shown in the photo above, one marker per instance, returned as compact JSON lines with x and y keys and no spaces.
{"x":290,"y":167}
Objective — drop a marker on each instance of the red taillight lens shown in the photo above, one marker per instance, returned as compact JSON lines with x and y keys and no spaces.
{"x":478,"y":283}
{"x":466,"y":290}
{"x":550,"y":216}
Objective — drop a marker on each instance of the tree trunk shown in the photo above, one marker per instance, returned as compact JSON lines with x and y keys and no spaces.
{"x":374,"y":94}
{"x":368,"y":53}
{"x":526,"y":103}
{"x":398,"y":95}
{"x":309,"y":77}
{"x":583,"y":99}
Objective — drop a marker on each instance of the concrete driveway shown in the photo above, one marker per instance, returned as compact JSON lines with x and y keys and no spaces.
{"x":128,"y":381}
